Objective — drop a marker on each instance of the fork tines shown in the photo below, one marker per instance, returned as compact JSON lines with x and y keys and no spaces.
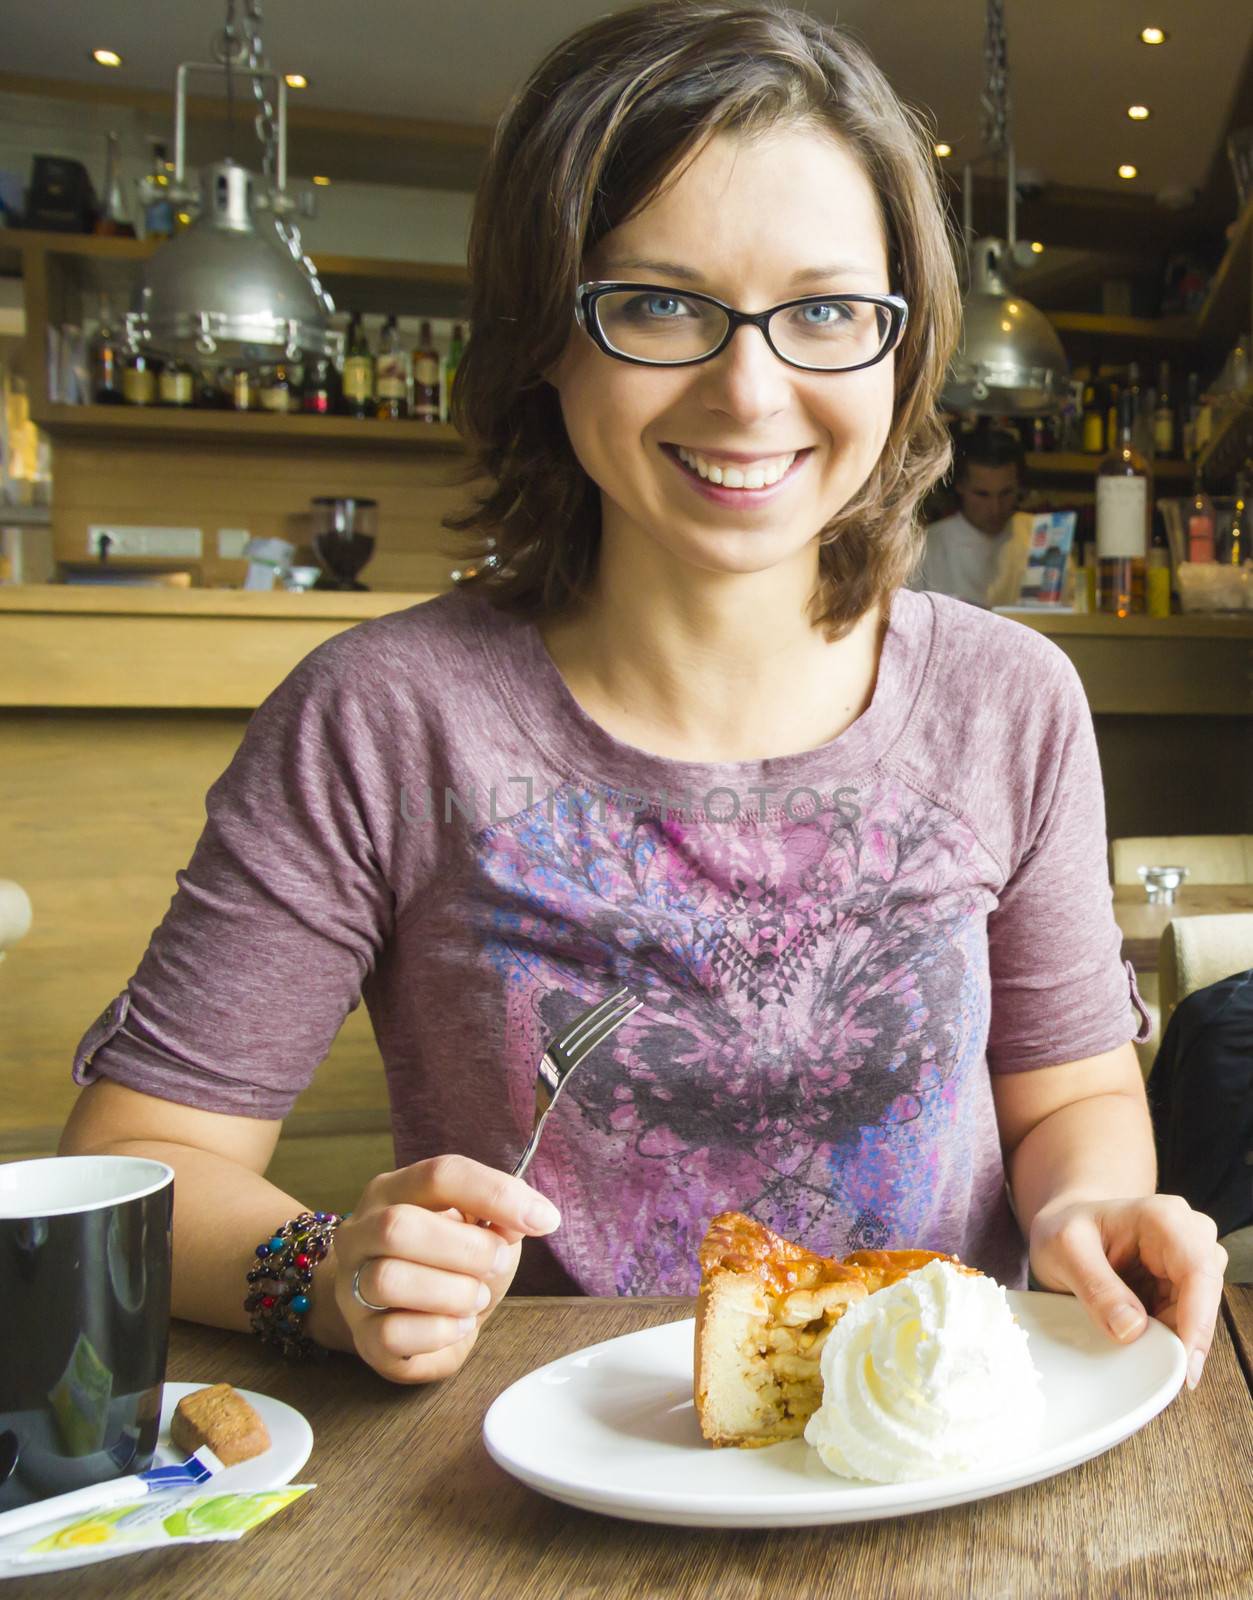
{"x":591,"y":1029}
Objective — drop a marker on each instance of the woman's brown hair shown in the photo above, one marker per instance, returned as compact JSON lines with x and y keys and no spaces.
{"x":595,"y":133}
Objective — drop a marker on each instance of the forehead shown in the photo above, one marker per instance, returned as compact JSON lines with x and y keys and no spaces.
{"x":989,"y":480}
{"x":789,"y":198}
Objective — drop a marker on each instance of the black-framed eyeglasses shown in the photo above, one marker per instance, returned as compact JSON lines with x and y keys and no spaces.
{"x":659,"y":326}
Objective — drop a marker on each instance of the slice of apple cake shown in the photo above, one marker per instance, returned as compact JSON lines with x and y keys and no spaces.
{"x":766,"y":1307}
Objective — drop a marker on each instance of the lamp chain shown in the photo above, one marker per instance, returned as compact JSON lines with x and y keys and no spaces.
{"x":994,"y":102}
{"x":267,"y":128}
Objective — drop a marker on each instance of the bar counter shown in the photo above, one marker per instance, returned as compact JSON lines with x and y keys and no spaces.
{"x":117,"y":647}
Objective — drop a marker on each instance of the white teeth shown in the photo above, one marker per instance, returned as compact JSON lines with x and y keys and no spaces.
{"x":760,"y":475}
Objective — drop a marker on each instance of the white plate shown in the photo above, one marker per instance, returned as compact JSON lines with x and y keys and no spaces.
{"x":291,"y":1440}
{"x":612,"y":1429}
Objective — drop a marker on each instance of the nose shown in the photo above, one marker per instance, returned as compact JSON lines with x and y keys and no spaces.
{"x":747,"y":382}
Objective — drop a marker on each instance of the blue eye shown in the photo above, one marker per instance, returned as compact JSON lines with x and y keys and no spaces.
{"x":824,"y":314}
{"x":664,"y":307}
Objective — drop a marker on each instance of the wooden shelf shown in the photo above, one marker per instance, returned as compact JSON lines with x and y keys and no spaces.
{"x":1062,"y":464}
{"x":1231,"y":442}
{"x":1228,"y":308}
{"x":1136,"y":330}
{"x":160,"y":424}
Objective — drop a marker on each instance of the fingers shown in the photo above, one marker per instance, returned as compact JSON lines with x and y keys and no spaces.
{"x":1182,"y":1245}
{"x":416,"y":1253}
{"x":1160,"y":1236}
{"x":1077,"y":1257}
{"x":475,"y":1190}
{"x":406,"y":1286}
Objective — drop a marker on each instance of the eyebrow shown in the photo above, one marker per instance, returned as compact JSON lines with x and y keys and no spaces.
{"x":672,"y":269}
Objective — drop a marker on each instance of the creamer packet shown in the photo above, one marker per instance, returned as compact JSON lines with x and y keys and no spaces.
{"x":151,"y":1524}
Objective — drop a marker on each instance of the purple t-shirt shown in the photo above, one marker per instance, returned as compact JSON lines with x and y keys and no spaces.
{"x":835,"y":950}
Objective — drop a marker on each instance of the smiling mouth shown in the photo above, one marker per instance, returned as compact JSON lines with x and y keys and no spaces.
{"x":762,"y":473}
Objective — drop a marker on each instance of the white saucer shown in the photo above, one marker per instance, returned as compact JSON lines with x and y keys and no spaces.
{"x":291,"y":1440}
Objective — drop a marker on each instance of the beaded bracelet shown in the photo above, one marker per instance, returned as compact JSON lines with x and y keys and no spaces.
{"x":278,"y":1297}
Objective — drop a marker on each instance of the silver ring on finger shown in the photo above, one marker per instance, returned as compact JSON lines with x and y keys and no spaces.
{"x":356,"y":1290}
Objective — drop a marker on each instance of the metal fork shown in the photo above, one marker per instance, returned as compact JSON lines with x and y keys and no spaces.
{"x":571,"y":1046}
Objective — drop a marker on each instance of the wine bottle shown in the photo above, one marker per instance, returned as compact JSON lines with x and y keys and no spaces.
{"x":426,"y":395}
{"x":391,"y":381}
{"x":1164,"y":414}
{"x":1202,"y":523}
{"x":1157,"y":577}
{"x":1123,"y":507}
{"x":105,"y":359}
{"x":358,"y":383}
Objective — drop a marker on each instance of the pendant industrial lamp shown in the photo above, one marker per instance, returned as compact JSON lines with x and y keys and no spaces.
{"x":1011,"y":362}
{"x":236,"y":284}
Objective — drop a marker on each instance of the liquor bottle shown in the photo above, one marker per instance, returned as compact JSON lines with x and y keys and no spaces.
{"x":1189,"y":417}
{"x":105,"y":360}
{"x":456,"y":348}
{"x":240,"y":389}
{"x":274,"y":389}
{"x":175,"y":383}
{"x":426,"y":395}
{"x":1237,"y":545}
{"x":1202,"y":523}
{"x":319,"y":398}
{"x":1164,"y":414}
{"x":139,"y":380}
{"x":1157,"y":577}
{"x":1093,"y":419}
{"x":114,"y":221}
{"x":158,"y":205}
{"x":1123,"y":503}
{"x":1112,"y":393}
{"x":209,"y":395}
{"x":358,"y":383}
{"x":391,"y":376}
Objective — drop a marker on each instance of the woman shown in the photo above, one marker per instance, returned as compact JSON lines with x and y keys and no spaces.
{"x":690,"y":734}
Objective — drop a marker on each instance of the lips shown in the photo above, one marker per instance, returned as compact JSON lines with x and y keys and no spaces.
{"x":755,"y":481}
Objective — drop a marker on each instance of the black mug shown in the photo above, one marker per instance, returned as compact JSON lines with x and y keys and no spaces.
{"x":84,"y":1320}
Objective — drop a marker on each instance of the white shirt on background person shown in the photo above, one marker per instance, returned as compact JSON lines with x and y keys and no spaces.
{"x":969,"y":564}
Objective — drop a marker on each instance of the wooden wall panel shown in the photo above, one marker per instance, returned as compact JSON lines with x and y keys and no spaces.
{"x":265,"y":488}
{"x":100,"y":810}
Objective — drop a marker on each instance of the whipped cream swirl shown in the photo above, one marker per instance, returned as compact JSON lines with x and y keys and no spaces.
{"x":929,"y":1376}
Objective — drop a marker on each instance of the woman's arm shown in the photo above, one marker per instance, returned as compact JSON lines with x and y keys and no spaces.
{"x":1078,"y":1145}
{"x":1080,"y":1131}
{"x":412,"y":1236}
{"x":222,"y":1202}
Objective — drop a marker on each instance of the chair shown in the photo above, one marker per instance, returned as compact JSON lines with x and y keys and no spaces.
{"x":14,"y":914}
{"x":1209,"y":857}
{"x":1195,"y":952}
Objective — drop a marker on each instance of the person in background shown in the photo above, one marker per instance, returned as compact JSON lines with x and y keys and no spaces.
{"x":969,"y":554}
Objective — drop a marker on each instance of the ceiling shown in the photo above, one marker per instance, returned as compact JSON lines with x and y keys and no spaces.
{"x":1075,"y":65}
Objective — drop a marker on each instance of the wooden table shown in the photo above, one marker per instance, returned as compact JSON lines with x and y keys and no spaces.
{"x":410,"y":1505}
{"x":1143,"y":922}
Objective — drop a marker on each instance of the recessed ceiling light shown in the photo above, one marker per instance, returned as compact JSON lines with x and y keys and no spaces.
{"x":1037,"y":248}
{"x":1153,"y":36}
{"x":1127,"y":170}
{"x":106,"y":58}
{"x":943,"y":149}
{"x":322,"y":183}
{"x":296,"y":80}
{"x":1138,"y":113}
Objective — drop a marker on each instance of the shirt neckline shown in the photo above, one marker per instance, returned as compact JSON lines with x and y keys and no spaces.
{"x":578,"y":747}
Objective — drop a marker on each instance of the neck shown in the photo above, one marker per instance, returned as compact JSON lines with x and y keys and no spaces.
{"x":711,"y":666}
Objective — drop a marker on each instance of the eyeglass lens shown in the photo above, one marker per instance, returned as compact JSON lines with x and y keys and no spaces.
{"x":655,"y":326}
